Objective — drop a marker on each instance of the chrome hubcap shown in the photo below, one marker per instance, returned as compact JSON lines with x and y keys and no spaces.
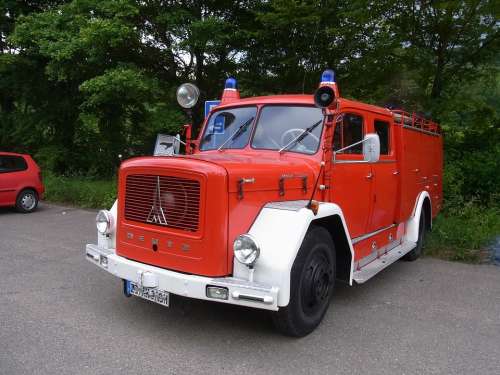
{"x":28,"y":201}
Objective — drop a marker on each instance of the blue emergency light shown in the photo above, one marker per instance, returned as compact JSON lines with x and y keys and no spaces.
{"x":231,"y":84}
{"x":328,"y":76}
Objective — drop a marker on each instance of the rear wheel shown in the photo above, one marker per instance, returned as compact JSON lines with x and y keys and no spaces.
{"x":27,"y":201}
{"x":312,"y":282}
{"x":422,"y":228}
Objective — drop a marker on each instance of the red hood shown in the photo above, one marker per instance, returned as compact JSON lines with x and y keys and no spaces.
{"x":266,"y":170}
{"x":225,"y":208}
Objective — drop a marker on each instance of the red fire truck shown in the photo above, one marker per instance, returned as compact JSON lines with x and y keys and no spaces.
{"x":277,"y":199}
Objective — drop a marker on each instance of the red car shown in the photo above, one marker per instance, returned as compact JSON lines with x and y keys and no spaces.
{"x":20,"y":182}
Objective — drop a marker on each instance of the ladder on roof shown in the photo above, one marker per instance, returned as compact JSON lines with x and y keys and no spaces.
{"x":416,"y":122}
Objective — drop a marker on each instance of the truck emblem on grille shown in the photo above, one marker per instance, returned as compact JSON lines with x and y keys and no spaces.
{"x":156,"y":215}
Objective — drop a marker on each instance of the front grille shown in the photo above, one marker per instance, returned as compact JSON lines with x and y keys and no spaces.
{"x":163,"y":200}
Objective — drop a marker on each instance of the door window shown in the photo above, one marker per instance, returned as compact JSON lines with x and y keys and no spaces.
{"x":12,"y":164}
{"x":382,"y":129}
{"x":349,"y":130}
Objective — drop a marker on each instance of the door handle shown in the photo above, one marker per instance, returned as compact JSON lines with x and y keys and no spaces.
{"x":369,"y":176}
{"x":395,"y":173}
{"x":416,"y":170}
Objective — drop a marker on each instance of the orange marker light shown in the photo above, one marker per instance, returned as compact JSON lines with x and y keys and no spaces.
{"x":314,"y":207}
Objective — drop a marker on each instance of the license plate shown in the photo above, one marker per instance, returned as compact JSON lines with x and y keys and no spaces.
{"x":151,"y":294}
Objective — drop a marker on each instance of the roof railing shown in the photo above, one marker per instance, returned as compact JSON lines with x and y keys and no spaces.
{"x":416,"y":122}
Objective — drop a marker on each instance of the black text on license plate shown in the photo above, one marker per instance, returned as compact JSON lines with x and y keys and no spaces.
{"x":152,"y":294}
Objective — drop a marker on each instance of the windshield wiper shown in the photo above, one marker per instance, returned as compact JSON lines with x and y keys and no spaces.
{"x":301,"y":136}
{"x":237,"y":133}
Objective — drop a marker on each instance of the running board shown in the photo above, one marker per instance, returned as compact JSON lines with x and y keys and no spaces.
{"x":372,"y":268}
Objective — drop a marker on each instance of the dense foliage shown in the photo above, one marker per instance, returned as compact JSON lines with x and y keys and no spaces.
{"x":82,"y":81}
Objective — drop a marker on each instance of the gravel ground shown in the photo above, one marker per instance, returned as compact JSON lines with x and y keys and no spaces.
{"x":59,"y":314}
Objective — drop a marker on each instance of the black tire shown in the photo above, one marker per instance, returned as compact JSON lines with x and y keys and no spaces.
{"x":27,"y":201}
{"x":312,"y":283}
{"x":419,"y":249}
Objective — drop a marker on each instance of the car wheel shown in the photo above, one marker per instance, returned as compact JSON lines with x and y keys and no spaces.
{"x":418,"y":250}
{"x":27,"y":201}
{"x":312,"y":282}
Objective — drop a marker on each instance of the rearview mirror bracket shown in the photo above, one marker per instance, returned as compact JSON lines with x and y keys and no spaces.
{"x":371,"y":149}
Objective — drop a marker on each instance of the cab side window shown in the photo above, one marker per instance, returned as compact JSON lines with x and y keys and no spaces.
{"x":12,"y":164}
{"x":382,"y":129}
{"x":348,"y":131}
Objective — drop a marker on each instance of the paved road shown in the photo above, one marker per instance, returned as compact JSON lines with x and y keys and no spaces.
{"x":61,"y":315}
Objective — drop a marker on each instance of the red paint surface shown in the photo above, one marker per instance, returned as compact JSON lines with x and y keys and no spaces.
{"x":368,"y":203}
{"x":12,"y":183}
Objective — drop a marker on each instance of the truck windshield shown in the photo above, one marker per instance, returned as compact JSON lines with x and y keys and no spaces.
{"x":225,"y":129}
{"x":279,"y":125}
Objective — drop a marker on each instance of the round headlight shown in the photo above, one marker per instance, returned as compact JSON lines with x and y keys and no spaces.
{"x":187,"y":95}
{"x":246,"y":249}
{"x":103,"y":221}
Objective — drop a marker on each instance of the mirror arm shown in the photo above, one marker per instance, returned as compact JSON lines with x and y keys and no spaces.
{"x":180,"y":141}
{"x":347,"y":147}
{"x":366,"y":139}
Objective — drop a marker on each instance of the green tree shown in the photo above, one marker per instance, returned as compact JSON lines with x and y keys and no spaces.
{"x":82,"y":81}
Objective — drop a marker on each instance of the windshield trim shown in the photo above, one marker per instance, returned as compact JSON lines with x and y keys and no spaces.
{"x":249,"y":143}
{"x":261,"y":108}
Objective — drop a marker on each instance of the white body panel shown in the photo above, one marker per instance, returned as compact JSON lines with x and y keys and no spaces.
{"x":279,"y":230}
{"x":413,"y":222}
{"x":240,"y":292}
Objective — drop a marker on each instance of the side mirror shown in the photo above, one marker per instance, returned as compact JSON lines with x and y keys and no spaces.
{"x":167,"y":145}
{"x":371,"y":148}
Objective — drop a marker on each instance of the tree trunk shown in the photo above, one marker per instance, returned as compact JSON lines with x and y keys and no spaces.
{"x":437,"y":84}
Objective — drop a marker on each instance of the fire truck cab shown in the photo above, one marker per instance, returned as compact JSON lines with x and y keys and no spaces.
{"x":277,"y":199}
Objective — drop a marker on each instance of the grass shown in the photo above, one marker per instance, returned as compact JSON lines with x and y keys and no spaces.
{"x":459,"y":233}
{"x":80,"y":191}
{"x":463,"y":233}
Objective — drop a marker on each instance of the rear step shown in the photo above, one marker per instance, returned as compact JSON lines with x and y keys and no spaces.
{"x":372,"y":268}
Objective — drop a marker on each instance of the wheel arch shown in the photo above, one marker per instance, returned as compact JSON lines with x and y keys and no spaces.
{"x":343,"y":251}
{"x":280,"y":231}
{"x":423,"y":202}
{"x":27,"y":188}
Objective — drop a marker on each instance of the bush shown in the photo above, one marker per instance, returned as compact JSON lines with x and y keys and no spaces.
{"x":462,"y":233}
{"x":80,"y":191}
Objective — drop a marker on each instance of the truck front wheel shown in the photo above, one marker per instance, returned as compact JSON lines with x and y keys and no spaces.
{"x":312,"y":282}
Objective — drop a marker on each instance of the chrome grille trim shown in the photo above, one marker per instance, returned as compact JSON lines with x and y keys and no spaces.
{"x":172,"y":202}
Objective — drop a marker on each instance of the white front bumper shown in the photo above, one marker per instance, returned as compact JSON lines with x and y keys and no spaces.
{"x":241,"y":292}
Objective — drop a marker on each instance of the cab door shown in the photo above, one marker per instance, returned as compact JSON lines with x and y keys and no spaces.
{"x":385,"y":179}
{"x":351,"y":176}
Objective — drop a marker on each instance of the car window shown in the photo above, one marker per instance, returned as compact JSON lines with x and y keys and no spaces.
{"x":10,"y":163}
{"x":224,"y":124}
{"x":279,"y":125}
{"x":348,"y":130}
{"x":382,"y":129}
